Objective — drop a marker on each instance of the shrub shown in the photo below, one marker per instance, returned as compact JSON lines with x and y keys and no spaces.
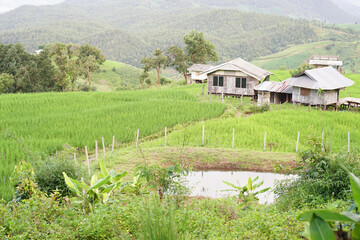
{"x":50,"y":178}
{"x":320,"y":177}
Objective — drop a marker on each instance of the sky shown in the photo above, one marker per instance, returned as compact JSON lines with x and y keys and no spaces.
{"x":7,"y":5}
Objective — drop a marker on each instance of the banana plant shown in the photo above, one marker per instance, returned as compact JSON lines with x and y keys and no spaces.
{"x":100,"y":189}
{"x":321,"y":230}
{"x":248,"y":192}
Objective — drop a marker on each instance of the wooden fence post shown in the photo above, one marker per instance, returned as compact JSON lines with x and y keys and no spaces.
{"x":165,"y":135}
{"x":96,"y":151}
{"x":293,"y":105}
{"x":113,"y":144}
{"x":75,"y":158}
{"x":87,"y":160}
{"x":297,"y":142}
{"x":103,"y":143}
{"x":233,"y":138}
{"x":137,"y":137}
{"x":222,"y":97}
{"x":242,"y":99}
{"x":265,"y":141}
{"x":349,"y":142}
{"x":203,"y":135}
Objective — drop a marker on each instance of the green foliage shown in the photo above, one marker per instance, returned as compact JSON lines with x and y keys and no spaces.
{"x":49,"y":175}
{"x":320,"y":178}
{"x":247,"y":194}
{"x":157,"y":222}
{"x":158,"y":61}
{"x":300,"y":70}
{"x":23,"y":180}
{"x":179,"y":60}
{"x":6,"y":82}
{"x":319,"y":229}
{"x":198,"y":48}
{"x":100,"y":189}
{"x":164,"y":180}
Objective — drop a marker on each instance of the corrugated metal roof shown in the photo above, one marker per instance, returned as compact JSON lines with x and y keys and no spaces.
{"x":325,"y":62}
{"x":321,"y":78}
{"x":243,"y":66}
{"x":199,"y":67}
{"x":278,"y":87}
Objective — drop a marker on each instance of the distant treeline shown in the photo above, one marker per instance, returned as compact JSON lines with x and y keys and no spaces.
{"x":132,"y":34}
{"x":55,"y":68}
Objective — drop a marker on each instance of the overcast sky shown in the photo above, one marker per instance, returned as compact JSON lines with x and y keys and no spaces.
{"x":7,"y":5}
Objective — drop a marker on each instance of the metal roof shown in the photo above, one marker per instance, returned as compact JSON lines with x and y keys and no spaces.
{"x":278,"y":87}
{"x":322,"y":78}
{"x":199,"y":67}
{"x":242,"y":66}
{"x":325,"y":62}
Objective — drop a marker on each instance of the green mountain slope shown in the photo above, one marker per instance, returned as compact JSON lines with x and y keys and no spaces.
{"x":349,"y":53}
{"x":130,"y":30}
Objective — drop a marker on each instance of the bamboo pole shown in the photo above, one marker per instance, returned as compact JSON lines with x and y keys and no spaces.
{"x":137,"y":137}
{"x":103,"y":144}
{"x":297,"y":142}
{"x":87,"y":160}
{"x":75,"y":158}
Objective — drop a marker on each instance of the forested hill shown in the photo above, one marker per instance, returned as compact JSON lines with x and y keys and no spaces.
{"x":129,"y":30}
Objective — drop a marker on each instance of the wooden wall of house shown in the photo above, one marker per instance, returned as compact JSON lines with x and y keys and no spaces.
{"x":263,"y":98}
{"x":229,"y":87}
{"x":326,"y":98}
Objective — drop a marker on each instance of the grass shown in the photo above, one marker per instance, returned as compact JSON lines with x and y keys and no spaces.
{"x":47,"y":122}
{"x":349,"y":53}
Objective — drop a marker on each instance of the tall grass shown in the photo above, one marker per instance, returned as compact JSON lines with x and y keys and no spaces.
{"x":282,"y":128}
{"x":45,"y":122}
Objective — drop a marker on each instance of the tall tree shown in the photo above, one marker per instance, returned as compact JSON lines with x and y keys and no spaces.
{"x":179,"y":60}
{"x":158,"y":61}
{"x":90,"y":59}
{"x":198,"y":48}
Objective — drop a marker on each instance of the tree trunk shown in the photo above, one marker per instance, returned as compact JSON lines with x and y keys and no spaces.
{"x":142,"y":84}
{"x":186,"y":79}
{"x":158,"y":69}
{"x":89,"y":79}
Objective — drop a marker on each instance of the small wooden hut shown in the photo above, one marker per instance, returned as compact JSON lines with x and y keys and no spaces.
{"x":235,"y":78}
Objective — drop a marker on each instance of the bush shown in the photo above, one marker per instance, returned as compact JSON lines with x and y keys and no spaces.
{"x":50,"y":178}
{"x":164,"y":81}
{"x":321,"y":179}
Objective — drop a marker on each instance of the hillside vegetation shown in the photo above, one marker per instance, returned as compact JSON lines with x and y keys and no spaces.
{"x":130,"y":31}
{"x":349,"y":53}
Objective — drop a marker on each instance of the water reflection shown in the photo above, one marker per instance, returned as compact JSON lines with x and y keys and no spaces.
{"x":210,"y":183}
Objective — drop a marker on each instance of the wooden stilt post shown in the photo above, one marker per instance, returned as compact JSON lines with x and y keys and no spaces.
{"x":297,"y":142}
{"x":87,"y":160}
{"x":265,"y":141}
{"x":113,"y":144}
{"x":293,"y":105}
{"x":309,"y":107}
{"x":233,"y":138}
{"x":96,"y":151}
{"x":103,"y":144}
{"x":165,"y":135}
{"x":137,"y":137}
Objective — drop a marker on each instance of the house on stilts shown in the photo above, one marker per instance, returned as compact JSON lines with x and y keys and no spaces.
{"x":235,"y":78}
{"x":313,"y":87}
